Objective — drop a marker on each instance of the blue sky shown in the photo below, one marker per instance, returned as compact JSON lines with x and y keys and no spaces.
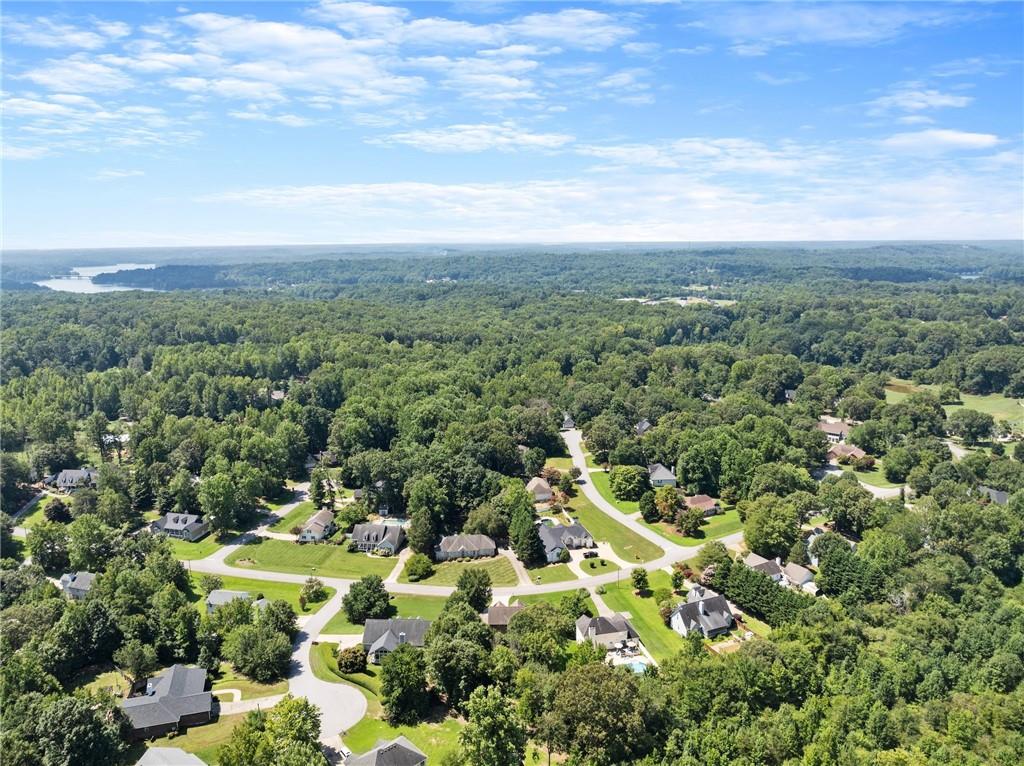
{"x":135,"y":124}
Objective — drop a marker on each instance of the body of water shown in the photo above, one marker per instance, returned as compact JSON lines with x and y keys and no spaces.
{"x":81,"y":281}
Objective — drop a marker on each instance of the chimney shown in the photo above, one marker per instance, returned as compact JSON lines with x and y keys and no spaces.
{"x":703,"y":609}
{"x":778,"y":561}
{"x":401,"y":637}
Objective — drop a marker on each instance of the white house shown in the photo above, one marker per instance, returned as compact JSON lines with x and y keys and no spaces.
{"x":705,"y":612}
{"x":540,"y":489}
{"x":661,"y":476}
{"x":319,"y":526}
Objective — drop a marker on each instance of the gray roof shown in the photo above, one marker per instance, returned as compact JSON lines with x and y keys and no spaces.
{"x":595,"y":627}
{"x":642,"y":427}
{"x":554,"y":536}
{"x":761,"y":564}
{"x":499,"y":614}
{"x":319,"y":522}
{"x":72,"y":477}
{"x":379,"y":533}
{"x":840,"y":428}
{"x":997,"y":496}
{"x":454,"y":543}
{"x":710,"y":614}
{"x":797,"y":574}
{"x":398,"y":752}
{"x":658,"y":472}
{"x":169,"y":697}
{"x":389,"y":634}
{"x":222,"y":597}
{"x":538,"y":483}
{"x":77,"y":581}
{"x":168,"y":756}
{"x":177,"y":521}
{"x":567,"y":421}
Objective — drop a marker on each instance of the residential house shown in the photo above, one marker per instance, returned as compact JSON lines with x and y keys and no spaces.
{"x":168,"y":756}
{"x":383,"y":636}
{"x":996,"y":496}
{"x":540,"y":489}
{"x":72,"y":479}
{"x":813,"y":535}
{"x":800,"y":577}
{"x":319,"y":526}
{"x":378,"y":537}
{"x":76,"y":585}
{"x":790,"y":394}
{"x":706,"y":503}
{"x":498,"y":615}
{"x":172,"y":701}
{"x":396,"y":752}
{"x":642,"y":427}
{"x":661,"y":476}
{"x":567,"y":422}
{"x":182,"y":526}
{"x":604,"y":631}
{"x":835,"y":430}
{"x":558,"y":538}
{"x":374,"y":495}
{"x":705,"y":611}
{"x":765,"y":566}
{"x":838,"y":452}
{"x":465,"y":547}
{"x":221,"y":597}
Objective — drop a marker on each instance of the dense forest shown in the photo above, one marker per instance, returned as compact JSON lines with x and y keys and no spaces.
{"x":443,"y":380}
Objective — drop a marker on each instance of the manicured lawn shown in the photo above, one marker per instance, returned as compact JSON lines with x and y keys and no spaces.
{"x":998,"y":406}
{"x":561,"y":463}
{"x":552,"y":573}
{"x":661,"y":641}
{"x":227,"y":678}
{"x":714,"y":527}
{"x":204,"y":741}
{"x":325,"y":560}
{"x":875,"y":477}
{"x":186,"y":551}
{"x":285,"y":591}
{"x":447,"y":573}
{"x":593,"y":567}
{"x":757,"y":627}
{"x":551,"y":598}
{"x":288,"y":495}
{"x":590,"y":460}
{"x":436,"y":738}
{"x":37,"y":513}
{"x":296,"y":517}
{"x":627,"y":544}
{"x":96,"y":678}
{"x":600,"y":481}
{"x":427,"y":607}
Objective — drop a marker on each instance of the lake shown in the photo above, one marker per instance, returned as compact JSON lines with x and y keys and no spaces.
{"x":81,"y":281}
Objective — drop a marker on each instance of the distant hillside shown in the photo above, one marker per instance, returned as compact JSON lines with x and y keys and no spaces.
{"x":169,"y":278}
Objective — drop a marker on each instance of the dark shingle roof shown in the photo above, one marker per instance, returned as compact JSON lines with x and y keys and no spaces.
{"x":388,"y":634}
{"x":169,"y":697}
{"x":595,"y":627}
{"x":711,"y":614}
{"x":498,"y":615}
{"x":397,"y":752}
{"x":658,"y":472}
{"x":379,"y":533}
{"x":466,"y":543}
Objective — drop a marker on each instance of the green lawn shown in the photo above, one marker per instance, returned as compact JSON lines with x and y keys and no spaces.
{"x":875,"y":477}
{"x":661,"y":641}
{"x":296,"y":517}
{"x":96,"y":678}
{"x":435,"y":738}
{"x":186,"y":551}
{"x":203,"y":741}
{"x":319,"y":559}
{"x":561,"y":463}
{"x":714,"y":527}
{"x":590,"y":460}
{"x":427,"y":607}
{"x":998,"y":406}
{"x":627,"y":544}
{"x":285,"y":591}
{"x":447,"y":572}
{"x":551,"y":598}
{"x":552,"y":573}
{"x":227,"y":678}
{"x":37,"y":513}
{"x":600,"y":481}
{"x":593,"y":567}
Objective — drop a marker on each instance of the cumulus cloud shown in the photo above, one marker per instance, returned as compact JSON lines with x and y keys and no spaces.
{"x":915,"y":97}
{"x":503,"y":137}
{"x":114,"y":174}
{"x":939,"y":140}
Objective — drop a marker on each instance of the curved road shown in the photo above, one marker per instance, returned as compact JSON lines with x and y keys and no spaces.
{"x":342,"y":706}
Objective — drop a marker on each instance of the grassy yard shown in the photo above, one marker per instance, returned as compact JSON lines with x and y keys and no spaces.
{"x":325,"y":560}
{"x":552,"y":573}
{"x":998,"y":406}
{"x":203,"y":741}
{"x":284,"y":591}
{"x":435,"y":738}
{"x":600,"y":481}
{"x":627,"y":544}
{"x":593,"y":567}
{"x":288,"y":495}
{"x":427,"y":607}
{"x":227,"y":678}
{"x":297,"y":516}
{"x":661,"y":641}
{"x":97,"y":678}
{"x":561,"y":463}
{"x":37,"y":513}
{"x":447,"y":573}
{"x":714,"y":527}
{"x":875,"y":477}
{"x":186,"y":551}
{"x":551,"y":598}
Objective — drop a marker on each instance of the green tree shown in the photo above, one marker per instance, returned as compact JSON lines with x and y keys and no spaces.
{"x":352,"y":659}
{"x":494,"y":735}
{"x":48,"y":544}
{"x":899,"y":462}
{"x":418,"y":567}
{"x":366,"y":598}
{"x":475,"y":585}
{"x":649,"y":507}
{"x":628,"y":482}
{"x":689,"y":521}
{"x":668,"y":502}
{"x":772,"y":526}
{"x":219,"y":502}
{"x":403,"y":685}
{"x":525,"y":538}
{"x":639,"y":579}
{"x":970,"y":425}
{"x":90,"y":543}
{"x":136,"y":660}
{"x":81,"y":730}
{"x":258,"y":653}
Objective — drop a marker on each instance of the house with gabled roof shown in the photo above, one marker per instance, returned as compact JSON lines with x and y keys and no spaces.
{"x":319,"y":526}
{"x":706,"y":503}
{"x":705,"y":612}
{"x":381,"y":636}
{"x":396,"y":752}
{"x":220,"y":597}
{"x":182,"y":526}
{"x":465,"y":547}
{"x":497,"y":616}
{"x":604,"y":631}
{"x":540,"y":489}
{"x":567,"y":422}
{"x":642,"y":427}
{"x":765,"y":566}
{"x":378,"y":537}
{"x":71,"y":479}
{"x":661,"y":476}
{"x":996,"y":496}
{"x":76,"y":585}
{"x":559,"y":537}
{"x":835,"y":430}
{"x":172,"y":701}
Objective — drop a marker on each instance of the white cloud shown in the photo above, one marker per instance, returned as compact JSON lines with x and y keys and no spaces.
{"x":713,"y":156}
{"x":42,"y":32}
{"x":12,"y":152}
{"x":503,"y":137}
{"x":641,"y":49}
{"x":258,"y":115}
{"x":78,"y":74}
{"x":697,"y":50}
{"x":939,"y":140}
{"x":573,"y":27}
{"x":770,"y":79}
{"x":113,"y":174}
{"x":914,"y":97}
